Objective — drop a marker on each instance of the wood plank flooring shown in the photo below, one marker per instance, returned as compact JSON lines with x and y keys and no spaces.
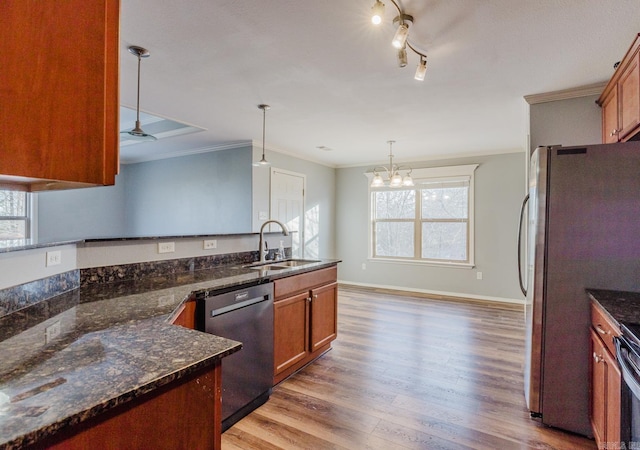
{"x":407,"y":372}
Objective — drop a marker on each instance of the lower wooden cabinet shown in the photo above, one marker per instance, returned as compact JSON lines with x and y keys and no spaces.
{"x":182,"y":414}
{"x":305,"y":319}
{"x":606,"y":382}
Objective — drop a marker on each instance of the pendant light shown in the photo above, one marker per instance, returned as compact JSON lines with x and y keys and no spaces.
{"x":393,"y":176}
{"x":137,"y":133}
{"x":263,"y":161}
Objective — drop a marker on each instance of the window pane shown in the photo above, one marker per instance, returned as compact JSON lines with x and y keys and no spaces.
{"x":394,"y":239}
{"x":397,"y":204}
{"x":445,"y":203}
{"x":12,"y":229}
{"x":444,"y":240}
{"x":13,"y":203}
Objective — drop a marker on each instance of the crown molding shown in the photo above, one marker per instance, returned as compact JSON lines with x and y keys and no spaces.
{"x":566,"y":94}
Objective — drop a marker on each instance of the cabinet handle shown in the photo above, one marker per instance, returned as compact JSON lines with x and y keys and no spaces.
{"x":601,"y":331}
{"x":597,"y":358}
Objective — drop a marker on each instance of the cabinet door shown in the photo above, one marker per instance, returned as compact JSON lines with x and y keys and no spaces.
{"x":324,"y":315}
{"x":613,"y":398}
{"x":598,"y":388}
{"x":606,"y":383}
{"x":60,"y":97}
{"x":290,"y":331}
{"x":629,"y":98}
{"x":610,"y":128}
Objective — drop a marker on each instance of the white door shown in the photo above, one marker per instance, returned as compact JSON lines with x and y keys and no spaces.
{"x":287,"y":205}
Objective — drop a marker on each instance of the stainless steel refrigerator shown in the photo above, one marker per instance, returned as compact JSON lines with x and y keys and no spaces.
{"x":583,"y":232}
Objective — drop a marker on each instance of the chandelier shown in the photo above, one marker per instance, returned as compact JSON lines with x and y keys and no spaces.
{"x":400,"y":38}
{"x":393,"y":177}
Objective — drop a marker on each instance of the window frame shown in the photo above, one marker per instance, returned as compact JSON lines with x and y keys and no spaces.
{"x":429,"y":175}
{"x":28,"y":218}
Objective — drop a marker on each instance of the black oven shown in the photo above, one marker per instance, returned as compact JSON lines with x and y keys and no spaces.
{"x":628,"y":356}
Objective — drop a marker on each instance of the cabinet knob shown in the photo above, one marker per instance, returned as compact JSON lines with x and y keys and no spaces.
{"x":601,"y":331}
{"x":614,"y":132}
{"x":315,"y":296}
{"x":597,"y":358}
{"x":309,"y":299}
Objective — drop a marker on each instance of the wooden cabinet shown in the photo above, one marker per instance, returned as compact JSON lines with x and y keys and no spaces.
{"x":185,"y":316}
{"x":181,"y":414}
{"x":620,"y":100}
{"x":305,"y":319}
{"x":59,"y":93}
{"x":605,"y":380}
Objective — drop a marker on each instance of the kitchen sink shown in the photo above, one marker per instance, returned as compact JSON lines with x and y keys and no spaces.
{"x":280,"y":265}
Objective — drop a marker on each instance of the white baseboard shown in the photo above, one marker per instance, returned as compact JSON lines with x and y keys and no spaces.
{"x":444,"y":293}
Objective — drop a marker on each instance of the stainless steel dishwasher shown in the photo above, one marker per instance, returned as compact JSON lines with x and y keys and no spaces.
{"x":243,"y":314}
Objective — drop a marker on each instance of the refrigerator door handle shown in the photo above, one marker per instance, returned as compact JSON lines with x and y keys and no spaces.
{"x":522,"y":208}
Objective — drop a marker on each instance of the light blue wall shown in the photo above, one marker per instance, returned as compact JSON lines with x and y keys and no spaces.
{"x":208,"y":193}
{"x":499,"y":190}
{"x":82,"y":213}
{"x":320,"y":200}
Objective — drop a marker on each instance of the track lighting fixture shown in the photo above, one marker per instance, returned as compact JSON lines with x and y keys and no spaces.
{"x":263,"y":161}
{"x":400,"y":38}
{"x":393,"y":177}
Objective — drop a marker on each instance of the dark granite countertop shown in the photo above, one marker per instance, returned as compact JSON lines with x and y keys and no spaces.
{"x":622,"y":307}
{"x":115,"y":343}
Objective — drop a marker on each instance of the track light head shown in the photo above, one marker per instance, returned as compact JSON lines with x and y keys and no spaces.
{"x":377,"y":12}
{"x":421,"y":70}
{"x":400,"y":38}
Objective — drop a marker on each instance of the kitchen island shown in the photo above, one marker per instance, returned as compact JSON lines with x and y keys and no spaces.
{"x":78,"y":360}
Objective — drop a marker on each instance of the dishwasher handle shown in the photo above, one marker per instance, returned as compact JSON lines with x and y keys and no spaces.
{"x":225,"y":309}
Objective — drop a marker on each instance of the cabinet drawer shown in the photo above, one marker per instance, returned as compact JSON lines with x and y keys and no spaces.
{"x":284,"y":287}
{"x":604,"y":327}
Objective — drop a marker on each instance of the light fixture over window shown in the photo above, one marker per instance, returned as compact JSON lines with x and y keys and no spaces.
{"x":263,"y":161}
{"x":393,"y":177}
{"x":400,"y":38}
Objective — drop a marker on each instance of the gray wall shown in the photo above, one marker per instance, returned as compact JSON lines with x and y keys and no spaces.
{"x":499,"y":189}
{"x":576,"y":121}
{"x":320,"y":198}
{"x":206,"y":193}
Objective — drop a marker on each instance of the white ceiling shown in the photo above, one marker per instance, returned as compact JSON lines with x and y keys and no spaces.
{"x":332,"y":78}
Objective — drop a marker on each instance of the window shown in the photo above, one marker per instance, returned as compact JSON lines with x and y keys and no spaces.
{"x":14,"y":215}
{"x":431,"y":222}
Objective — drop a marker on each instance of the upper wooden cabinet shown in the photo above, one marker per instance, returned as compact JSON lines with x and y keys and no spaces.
{"x":58,"y":93}
{"x":620,"y":99}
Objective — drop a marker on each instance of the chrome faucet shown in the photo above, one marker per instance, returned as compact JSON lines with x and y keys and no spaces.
{"x":285,"y":232}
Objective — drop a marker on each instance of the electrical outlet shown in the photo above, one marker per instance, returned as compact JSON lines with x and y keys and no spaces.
{"x":166,"y":247}
{"x":51,"y":332}
{"x":479,"y":275}
{"x":209,"y":244}
{"x":54,"y":258}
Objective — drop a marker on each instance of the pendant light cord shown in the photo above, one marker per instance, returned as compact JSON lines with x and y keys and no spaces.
{"x":138,"y":101}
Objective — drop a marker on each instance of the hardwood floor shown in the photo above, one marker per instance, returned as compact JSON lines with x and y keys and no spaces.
{"x":407,"y":372}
